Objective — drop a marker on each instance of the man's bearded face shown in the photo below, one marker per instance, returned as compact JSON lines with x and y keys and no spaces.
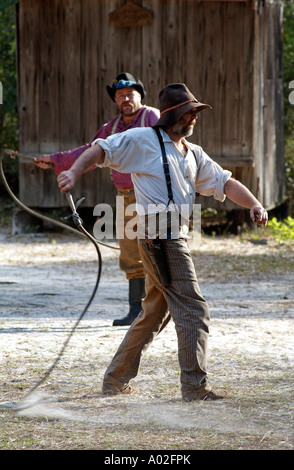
{"x":128,"y":101}
{"x":185,"y":126}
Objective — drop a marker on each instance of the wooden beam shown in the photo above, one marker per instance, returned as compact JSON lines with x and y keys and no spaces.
{"x":234,"y":161}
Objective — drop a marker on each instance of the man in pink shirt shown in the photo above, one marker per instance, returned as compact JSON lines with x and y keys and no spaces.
{"x":127,"y":93}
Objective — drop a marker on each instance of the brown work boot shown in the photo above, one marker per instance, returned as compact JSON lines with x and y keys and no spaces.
{"x":202,"y":393}
{"x":110,"y":389}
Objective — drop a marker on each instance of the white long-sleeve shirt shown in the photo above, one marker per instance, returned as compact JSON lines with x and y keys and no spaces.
{"x":137,"y":151}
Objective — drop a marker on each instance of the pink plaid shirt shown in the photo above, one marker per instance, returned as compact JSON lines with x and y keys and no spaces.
{"x":147,"y":117}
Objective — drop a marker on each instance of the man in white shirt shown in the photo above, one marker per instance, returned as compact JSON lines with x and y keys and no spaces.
{"x":165,"y":177}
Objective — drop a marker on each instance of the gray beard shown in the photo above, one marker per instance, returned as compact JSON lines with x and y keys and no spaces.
{"x":182,"y":130}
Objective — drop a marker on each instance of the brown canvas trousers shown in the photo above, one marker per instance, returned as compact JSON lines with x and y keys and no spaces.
{"x":129,"y":258}
{"x":182,"y":300}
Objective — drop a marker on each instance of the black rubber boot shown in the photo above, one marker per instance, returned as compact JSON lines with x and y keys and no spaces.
{"x":136,"y":295}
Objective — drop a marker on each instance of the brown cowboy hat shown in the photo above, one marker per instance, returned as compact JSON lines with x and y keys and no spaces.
{"x":174,"y":101}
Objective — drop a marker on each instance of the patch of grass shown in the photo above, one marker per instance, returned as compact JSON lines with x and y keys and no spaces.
{"x":210,"y":266}
{"x":282,"y":230}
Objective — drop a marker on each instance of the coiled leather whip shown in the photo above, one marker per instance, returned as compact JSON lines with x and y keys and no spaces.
{"x":81,"y":231}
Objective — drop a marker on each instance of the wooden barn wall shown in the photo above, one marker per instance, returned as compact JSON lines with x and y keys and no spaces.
{"x":69,"y":51}
{"x":272,"y":172}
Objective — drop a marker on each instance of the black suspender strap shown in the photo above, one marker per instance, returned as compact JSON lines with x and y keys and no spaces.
{"x":193,"y":151}
{"x":165,"y":167}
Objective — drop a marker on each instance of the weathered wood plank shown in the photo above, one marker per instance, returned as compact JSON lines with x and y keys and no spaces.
{"x":29,"y":86}
{"x":209,"y":68}
{"x":49,"y":43}
{"x":152,"y":40}
{"x":173,"y":25}
{"x":247,"y":83}
{"x":112,"y":42}
{"x":69,"y":73}
{"x":232,"y":59}
{"x":90,"y":76}
{"x":29,"y":78}
{"x":235,"y":161}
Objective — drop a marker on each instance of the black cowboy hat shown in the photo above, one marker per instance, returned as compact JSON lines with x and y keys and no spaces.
{"x":124,"y":80}
{"x":174,"y":101}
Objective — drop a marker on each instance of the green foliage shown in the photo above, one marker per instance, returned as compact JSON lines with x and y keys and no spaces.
{"x":282,"y":230}
{"x":289,"y":166}
{"x":8,"y":110}
{"x":288,"y":45}
{"x":288,"y":53}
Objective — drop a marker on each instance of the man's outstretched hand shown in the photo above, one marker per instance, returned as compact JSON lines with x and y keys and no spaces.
{"x":259,"y":215}
{"x":66,"y":180}
{"x":43,"y":162}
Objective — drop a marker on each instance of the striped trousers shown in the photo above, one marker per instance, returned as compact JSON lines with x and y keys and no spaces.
{"x":183,"y":302}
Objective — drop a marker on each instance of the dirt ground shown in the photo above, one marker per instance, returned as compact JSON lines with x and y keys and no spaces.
{"x":45,"y":282}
